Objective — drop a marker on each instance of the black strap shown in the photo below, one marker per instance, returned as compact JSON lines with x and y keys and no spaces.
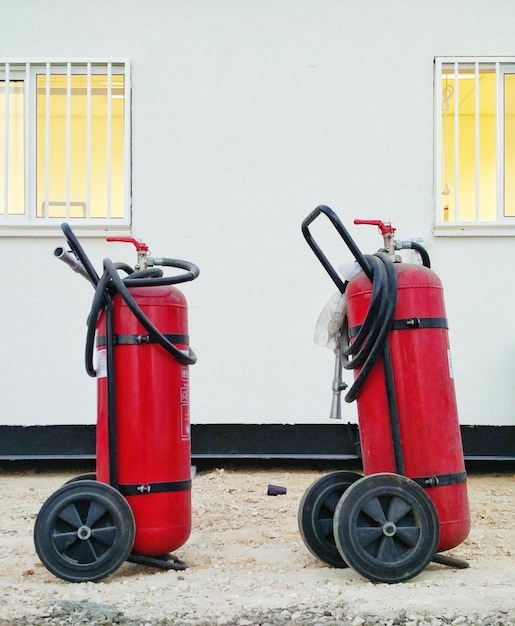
{"x":145,"y":488}
{"x":420,"y":322}
{"x":138,"y":340}
{"x":410,"y":323}
{"x":441,"y":480}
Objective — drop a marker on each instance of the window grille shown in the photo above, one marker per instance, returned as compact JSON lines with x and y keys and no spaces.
{"x":65,"y":143}
{"x":475,"y":143}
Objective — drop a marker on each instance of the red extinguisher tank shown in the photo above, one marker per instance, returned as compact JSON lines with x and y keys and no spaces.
{"x":152,"y":418}
{"x":427,"y":414}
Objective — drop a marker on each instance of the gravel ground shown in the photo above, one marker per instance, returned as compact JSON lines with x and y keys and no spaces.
{"x":249,"y":566}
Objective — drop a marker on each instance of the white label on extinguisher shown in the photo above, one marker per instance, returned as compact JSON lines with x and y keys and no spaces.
{"x":101,"y":367}
{"x":449,"y":360}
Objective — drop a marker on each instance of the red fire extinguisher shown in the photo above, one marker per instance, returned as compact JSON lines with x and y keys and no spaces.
{"x":137,"y":507}
{"x":412,"y":502}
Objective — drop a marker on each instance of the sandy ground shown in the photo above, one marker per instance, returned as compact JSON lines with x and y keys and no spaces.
{"x":249,"y":565}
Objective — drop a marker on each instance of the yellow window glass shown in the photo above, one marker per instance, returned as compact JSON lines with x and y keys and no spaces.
{"x":469,"y":160}
{"x":80,"y":145}
{"x":12,"y":142}
{"x":509,"y":145}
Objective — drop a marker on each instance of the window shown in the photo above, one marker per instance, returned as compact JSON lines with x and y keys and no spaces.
{"x":64,"y":144}
{"x":475,"y":145}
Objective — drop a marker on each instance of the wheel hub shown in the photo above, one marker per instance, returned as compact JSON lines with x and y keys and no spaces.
{"x":389,"y":529}
{"x":84,"y":533}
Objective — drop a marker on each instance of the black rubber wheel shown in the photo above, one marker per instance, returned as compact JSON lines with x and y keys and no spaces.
{"x":87,"y":476}
{"x":386,"y":528}
{"x":316,"y":512}
{"x":84,"y":531}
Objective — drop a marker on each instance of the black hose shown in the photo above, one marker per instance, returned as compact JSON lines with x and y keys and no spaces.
{"x":371,"y":339}
{"x":79,"y":252}
{"x":111,"y":283}
{"x":98,"y":304}
{"x":150,"y":272}
{"x":423,"y":253}
{"x":185,"y":265}
{"x":154,"y":280}
{"x":371,"y":343}
{"x":124,"y":267}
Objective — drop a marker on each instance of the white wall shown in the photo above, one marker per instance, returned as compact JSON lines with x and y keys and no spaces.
{"x":246,"y":115}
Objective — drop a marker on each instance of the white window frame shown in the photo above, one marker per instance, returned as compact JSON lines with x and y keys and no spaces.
{"x":29,"y":223}
{"x":502,"y":225}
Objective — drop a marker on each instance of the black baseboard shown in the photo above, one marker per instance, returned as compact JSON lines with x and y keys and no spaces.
{"x":243,"y":441}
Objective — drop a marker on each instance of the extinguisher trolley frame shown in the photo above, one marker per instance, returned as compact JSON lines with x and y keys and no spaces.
{"x":317,"y":506}
{"x":78,"y":250}
{"x":365,"y":266}
{"x":107,"y":496}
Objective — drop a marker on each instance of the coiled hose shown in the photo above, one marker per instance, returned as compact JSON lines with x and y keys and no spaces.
{"x":111,"y":283}
{"x":371,"y":339}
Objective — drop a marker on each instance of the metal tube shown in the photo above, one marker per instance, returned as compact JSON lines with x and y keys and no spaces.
{"x":109,"y":138}
{"x":6,"y":141}
{"x":47,"y":140}
{"x":336,"y":404}
{"x":72,"y":262}
{"x":88,"y":141}
{"x":68,"y":138}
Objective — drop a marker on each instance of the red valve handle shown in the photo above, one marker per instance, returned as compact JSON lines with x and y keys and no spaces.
{"x":139,"y":244}
{"x":384,"y":228}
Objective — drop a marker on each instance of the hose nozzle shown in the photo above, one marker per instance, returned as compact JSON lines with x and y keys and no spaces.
{"x":72,"y":262}
{"x":338,"y":386}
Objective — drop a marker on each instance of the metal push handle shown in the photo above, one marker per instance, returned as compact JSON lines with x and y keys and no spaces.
{"x":344,"y":234}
